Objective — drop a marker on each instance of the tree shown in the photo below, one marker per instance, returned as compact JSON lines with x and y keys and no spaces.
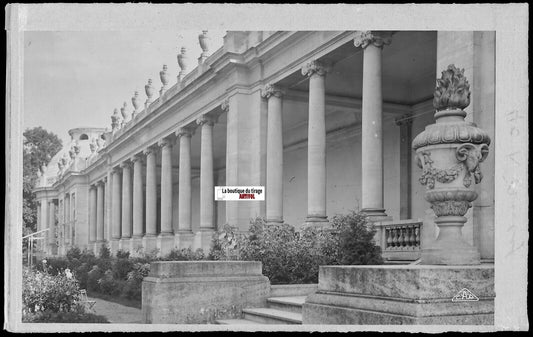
{"x":39,"y":146}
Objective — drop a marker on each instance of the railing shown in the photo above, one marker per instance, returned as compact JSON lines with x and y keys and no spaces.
{"x":399,"y":240}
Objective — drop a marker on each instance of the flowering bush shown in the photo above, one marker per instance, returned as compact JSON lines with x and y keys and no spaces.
{"x":185,"y":254}
{"x":44,"y":292}
{"x":134,"y":280}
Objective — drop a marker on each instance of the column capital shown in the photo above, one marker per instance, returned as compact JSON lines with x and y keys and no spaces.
{"x":318,"y":67}
{"x":271,"y":90}
{"x":100,"y":182}
{"x":206,"y":119}
{"x":225,"y":105}
{"x":91,"y":187}
{"x":136,"y":157}
{"x":184,"y":131}
{"x":150,"y":149}
{"x":125,"y":164}
{"x":379,"y":39}
{"x":164,"y":142}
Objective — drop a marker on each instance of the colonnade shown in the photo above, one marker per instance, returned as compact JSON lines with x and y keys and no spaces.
{"x":134,"y":197}
{"x":372,"y":137}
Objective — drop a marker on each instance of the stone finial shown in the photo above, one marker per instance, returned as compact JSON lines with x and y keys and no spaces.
{"x":379,"y":39}
{"x":271,"y":90}
{"x":76,"y":148}
{"x":182,"y":63}
{"x":100,"y":143}
{"x":115,"y":120}
{"x":452,"y":90}
{"x":225,"y":105}
{"x":136,"y":102}
{"x":203,"y":39}
{"x":316,"y":67}
{"x":149,"y":89}
{"x":163,"y":75}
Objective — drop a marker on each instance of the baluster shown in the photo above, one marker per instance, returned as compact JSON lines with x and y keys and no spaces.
{"x":412,"y":237}
{"x":388,"y":236}
{"x":394,"y":238}
{"x":417,"y":235}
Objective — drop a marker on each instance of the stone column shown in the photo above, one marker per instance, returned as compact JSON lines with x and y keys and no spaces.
{"x":149,"y":238}
{"x":274,"y":173}
{"x":165,"y":240}
{"x":185,"y":235}
{"x":138,"y":203}
{"x":100,"y":215}
{"x":92,"y":216}
{"x":127,"y":206}
{"x":117,"y":209}
{"x":68,"y":233}
{"x":108,"y":206}
{"x":44,"y":224}
{"x":52,"y":232}
{"x":316,"y":148}
{"x":405,"y":123}
{"x":207,"y":193}
{"x":372,"y":138}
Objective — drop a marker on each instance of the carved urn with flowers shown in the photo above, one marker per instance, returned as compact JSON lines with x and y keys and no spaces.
{"x":449,"y":153}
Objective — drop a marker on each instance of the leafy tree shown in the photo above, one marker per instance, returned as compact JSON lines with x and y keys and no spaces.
{"x":39,"y":146}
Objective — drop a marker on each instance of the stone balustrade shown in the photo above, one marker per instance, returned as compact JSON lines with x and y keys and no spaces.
{"x":400,"y":239}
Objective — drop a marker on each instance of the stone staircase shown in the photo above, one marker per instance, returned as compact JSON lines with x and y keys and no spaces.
{"x":279,"y":310}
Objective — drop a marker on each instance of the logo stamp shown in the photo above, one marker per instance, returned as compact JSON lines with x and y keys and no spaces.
{"x":465,"y":295}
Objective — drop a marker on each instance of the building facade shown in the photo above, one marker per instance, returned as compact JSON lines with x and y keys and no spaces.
{"x":324,"y":120}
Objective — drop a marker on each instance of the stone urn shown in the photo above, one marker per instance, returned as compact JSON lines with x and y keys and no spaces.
{"x":182,"y":63}
{"x":449,"y":153}
{"x":203,"y":39}
{"x":163,"y":75}
{"x":136,"y":102}
{"x":149,"y":89}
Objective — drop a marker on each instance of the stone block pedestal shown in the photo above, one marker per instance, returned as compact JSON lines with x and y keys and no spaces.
{"x":184,"y":240}
{"x":149,"y":243}
{"x":124,"y":244}
{"x":165,"y":243}
{"x":408,"y":294}
{"x":114,"y":246}
{"x":136,"y":246}
{"x":203,"y":240}
{"x":194,"y":292}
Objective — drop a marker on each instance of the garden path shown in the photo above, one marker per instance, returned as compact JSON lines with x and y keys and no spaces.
{"x":116,"y":313}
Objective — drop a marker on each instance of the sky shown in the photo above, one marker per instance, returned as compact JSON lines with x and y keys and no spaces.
{"x":76,"y":79}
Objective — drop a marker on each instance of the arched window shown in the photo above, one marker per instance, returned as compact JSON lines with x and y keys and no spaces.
{"x":84,"y":137}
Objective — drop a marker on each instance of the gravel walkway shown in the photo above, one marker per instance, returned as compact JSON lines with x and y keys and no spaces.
{"x":116,"y":313}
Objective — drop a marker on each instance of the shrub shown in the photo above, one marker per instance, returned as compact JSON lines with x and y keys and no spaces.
{"x":105,"y":252}
{"x":52,"y":265}
{"x":356,"y":240}
{"x":185,"y":254}
{"x":134,"y":280}
{"x":44,"y":292}
{"x":121,"y":268}
{"x":108,"y":285}
{"x":92,"y":278}
{"x":73,"y":253}
{"x":225,"y":244}
{"x":82,"y":274}
{"x":74,"y":316}
{"x":122,"y":254}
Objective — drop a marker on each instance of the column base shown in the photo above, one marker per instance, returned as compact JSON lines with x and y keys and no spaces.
{"x":136,"y":246}
{"x":316,"y":221}
{"x":376,"y":213}
{"x":97,"y":246}
{"x":165,"y":243}
{"x":203,"y":239}
{"x":274,"y":221}
{"x":125,"y":244}
{"x":184,"y":240}
{"x":149,"y":243}
{"x":113,"y":246}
